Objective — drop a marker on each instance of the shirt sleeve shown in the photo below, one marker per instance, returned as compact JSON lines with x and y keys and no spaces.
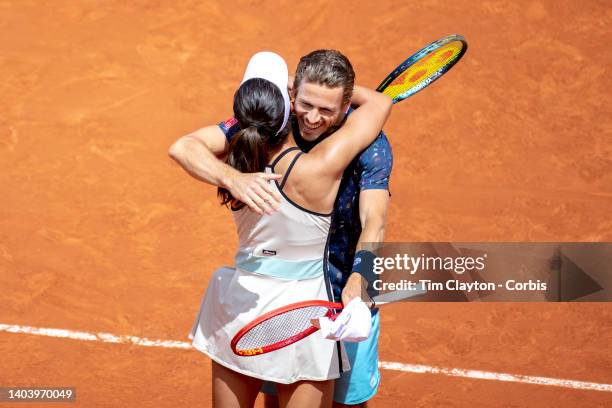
{"x":375,"y":165}
{"x":229,"y":127}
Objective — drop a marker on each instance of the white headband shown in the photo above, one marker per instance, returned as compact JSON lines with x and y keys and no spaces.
{"x":272,"y":67}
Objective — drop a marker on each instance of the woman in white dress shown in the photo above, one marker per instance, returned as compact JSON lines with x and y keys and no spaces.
{"x":280,"y":256}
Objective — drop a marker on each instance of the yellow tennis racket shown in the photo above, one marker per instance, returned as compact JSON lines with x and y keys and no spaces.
{"x":423,"y":68}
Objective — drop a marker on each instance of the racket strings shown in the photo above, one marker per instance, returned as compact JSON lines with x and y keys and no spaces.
{"x":280,"y":327}
{"x":428,"y":69}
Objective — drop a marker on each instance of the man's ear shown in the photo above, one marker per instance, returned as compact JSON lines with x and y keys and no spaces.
{"x":292,"y":98}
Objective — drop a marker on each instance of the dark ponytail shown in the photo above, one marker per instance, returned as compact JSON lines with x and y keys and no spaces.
{"x":259,"y":108}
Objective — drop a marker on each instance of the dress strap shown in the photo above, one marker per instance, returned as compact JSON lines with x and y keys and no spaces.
{"x":297,"y":156}
{"x":283,"y":153}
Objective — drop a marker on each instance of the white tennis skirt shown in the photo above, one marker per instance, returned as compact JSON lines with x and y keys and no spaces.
{"x":234,"y":298}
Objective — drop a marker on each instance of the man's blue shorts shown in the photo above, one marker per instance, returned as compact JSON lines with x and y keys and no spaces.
{"x":361,"y":382}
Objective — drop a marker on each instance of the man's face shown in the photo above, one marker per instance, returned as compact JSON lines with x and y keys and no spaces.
{"x":317,"y":109}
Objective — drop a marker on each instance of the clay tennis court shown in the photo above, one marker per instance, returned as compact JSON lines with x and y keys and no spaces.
{"x":101,"y":232}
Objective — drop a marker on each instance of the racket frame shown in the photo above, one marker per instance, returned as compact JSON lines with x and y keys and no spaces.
{"x":331,"y":306}
{"x":415,"y":58}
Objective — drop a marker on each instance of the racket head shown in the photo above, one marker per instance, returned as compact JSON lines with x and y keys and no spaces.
{"x":423,"y":67}
{"x":281,"y":327}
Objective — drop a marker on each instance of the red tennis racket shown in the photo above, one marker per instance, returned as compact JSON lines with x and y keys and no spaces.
{"x":282,"y":327}
{"x":288,"y":324}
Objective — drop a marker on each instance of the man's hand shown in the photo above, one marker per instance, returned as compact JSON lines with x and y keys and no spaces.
{"x":199,"y":154}
{"x":356,"y":286}
{"x":253,"y":190}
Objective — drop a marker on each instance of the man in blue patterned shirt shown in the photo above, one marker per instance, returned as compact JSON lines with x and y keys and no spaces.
{"x":322,"y":89}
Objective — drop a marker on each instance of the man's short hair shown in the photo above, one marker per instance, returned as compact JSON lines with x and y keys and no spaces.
{"x":326,"y":67}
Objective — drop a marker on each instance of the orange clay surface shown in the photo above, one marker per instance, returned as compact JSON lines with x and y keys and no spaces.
{"x":101,"y":232}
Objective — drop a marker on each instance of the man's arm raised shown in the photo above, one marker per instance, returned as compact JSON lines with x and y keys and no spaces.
{"x":199,"y":153}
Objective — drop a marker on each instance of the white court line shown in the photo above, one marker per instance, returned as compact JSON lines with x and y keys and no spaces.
{"x":103,"y":337}
{"x":411,"y":368}
{"x":488,"y":375}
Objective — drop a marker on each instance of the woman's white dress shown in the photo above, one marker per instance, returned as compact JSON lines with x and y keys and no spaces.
{"x":280,"y":260}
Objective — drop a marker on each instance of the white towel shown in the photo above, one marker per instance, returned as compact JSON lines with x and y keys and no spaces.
{"x":352,"y":324}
